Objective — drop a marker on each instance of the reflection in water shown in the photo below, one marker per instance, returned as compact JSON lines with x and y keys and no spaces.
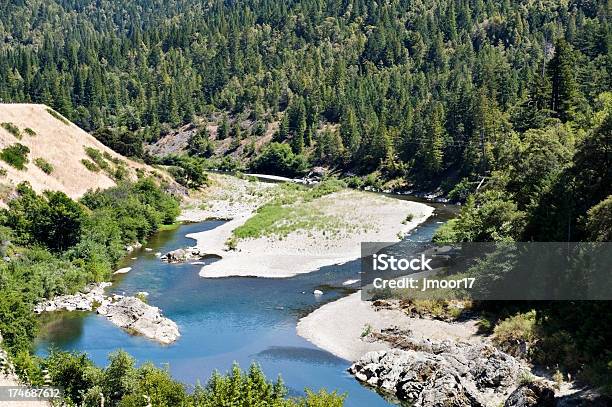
{"x":221,"y":320}
{"x":299,"y":354}
{"x":62,"y":327}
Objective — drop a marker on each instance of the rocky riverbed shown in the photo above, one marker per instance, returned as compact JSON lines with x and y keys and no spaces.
{"x":431,"y":373}
{"x":130,"y":313}
{"x":83,"y":301}
{"x":136,"y":316}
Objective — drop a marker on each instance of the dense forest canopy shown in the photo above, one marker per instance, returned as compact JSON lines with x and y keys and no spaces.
{"x":423,"y":87}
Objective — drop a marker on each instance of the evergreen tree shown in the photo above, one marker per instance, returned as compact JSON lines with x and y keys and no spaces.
{"x":564,"y":89}
{"x":223,"y":129}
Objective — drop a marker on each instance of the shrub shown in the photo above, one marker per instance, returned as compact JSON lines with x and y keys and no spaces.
{"x":367,"y":329}
{"x":90,"y":165}
{"x":11,"y":128}
{"x":44,"y":165}
{"x":187,"y":171}
{"x":15,"y":155}
{"x":3,"y":172}
{"x":279,"y":159}
{"x":97,"y":157}
{"x":121,"y":173}
{"x":515,"y":333}
{"x":58,"y":116}
{"x":29,"y":131}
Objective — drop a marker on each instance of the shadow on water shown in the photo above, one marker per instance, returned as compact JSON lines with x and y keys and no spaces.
{"x":224,"y":320}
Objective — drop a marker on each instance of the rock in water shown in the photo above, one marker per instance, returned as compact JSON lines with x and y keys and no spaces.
{"x":533,"y":394}
{"x":441,"y":373}
{"x":94,"y":293}
{"x":183,"y":255}
{"x":123,"y":270}
{"x":133,"y":314}
{"x":317,"y":293}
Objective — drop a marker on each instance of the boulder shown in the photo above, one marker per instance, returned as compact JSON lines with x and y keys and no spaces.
{"x":134,"y":315}
{"x":536,"y":393}
{"x":183,"y":255}
{"x":441,"y":373}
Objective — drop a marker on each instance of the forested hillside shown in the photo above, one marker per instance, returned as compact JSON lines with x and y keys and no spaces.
{"x":421,"y":89}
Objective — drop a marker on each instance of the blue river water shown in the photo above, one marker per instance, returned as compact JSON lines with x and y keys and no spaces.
{"x":222,"y":321}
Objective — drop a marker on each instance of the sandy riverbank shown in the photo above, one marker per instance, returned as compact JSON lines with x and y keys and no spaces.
{"x":353,"y":217}
{"x":338,"y":326}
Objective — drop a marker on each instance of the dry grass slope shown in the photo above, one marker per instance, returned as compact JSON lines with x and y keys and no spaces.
{"x":60,"y":143}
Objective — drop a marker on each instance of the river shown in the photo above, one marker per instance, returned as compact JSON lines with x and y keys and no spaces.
{"x":223,"y":320}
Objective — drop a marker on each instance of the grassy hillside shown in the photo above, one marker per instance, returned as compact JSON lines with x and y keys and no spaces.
{"x":56,"y":154}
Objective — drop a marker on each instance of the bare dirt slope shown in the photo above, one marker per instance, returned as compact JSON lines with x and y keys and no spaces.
{"x":60,"y":143}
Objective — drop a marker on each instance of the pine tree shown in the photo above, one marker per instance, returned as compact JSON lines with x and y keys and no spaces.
{"x":283,"y":129}
{"x":349,"y":130}
{"x":430,"y":152}
{"x":223,"y":129}
{"x":564,"y":89}
{"x":297,"y":142}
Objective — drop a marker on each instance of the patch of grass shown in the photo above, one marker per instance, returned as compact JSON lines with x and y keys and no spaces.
{"x":515,"y":332}
{"x":90,"y":165}
{"x":367,"y":329}
{"x":11,"y":128}
{"x":29,"y":132}
{"x":232,"y":243}
{"x":44,"y":165}
{"x":171,"y":226}
{"x":58,"y":116}
{"x":409,"y":218}
{"x":526,"y":377}
{"x":288,"y":212}
{"x":15,"y":155}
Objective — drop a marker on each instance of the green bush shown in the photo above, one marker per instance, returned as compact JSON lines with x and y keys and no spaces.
{"x":15,"y":155}
{"x":187,"y":171}
{"x":29,"y":131}
{"x":44,"y":165}
{"x":90,"y":165}
{"x":11,"y":128}
{"x":97,"y":157}
{"x":279,"y":159}
{"x":517,"y":332}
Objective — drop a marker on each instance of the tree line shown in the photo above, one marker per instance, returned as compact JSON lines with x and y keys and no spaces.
{"x":420,"y":89}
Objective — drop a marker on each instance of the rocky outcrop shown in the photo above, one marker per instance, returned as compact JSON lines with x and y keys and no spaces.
{"x":441,"y":373}
{"x":83,"y":301}
{"x":536,"y":393}
{"x":183,"y":255}
{"x":134,"y":315}
{"x":129,"y":313}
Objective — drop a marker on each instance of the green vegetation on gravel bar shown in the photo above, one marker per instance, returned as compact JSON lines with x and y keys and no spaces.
{"x":285,"y":213}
